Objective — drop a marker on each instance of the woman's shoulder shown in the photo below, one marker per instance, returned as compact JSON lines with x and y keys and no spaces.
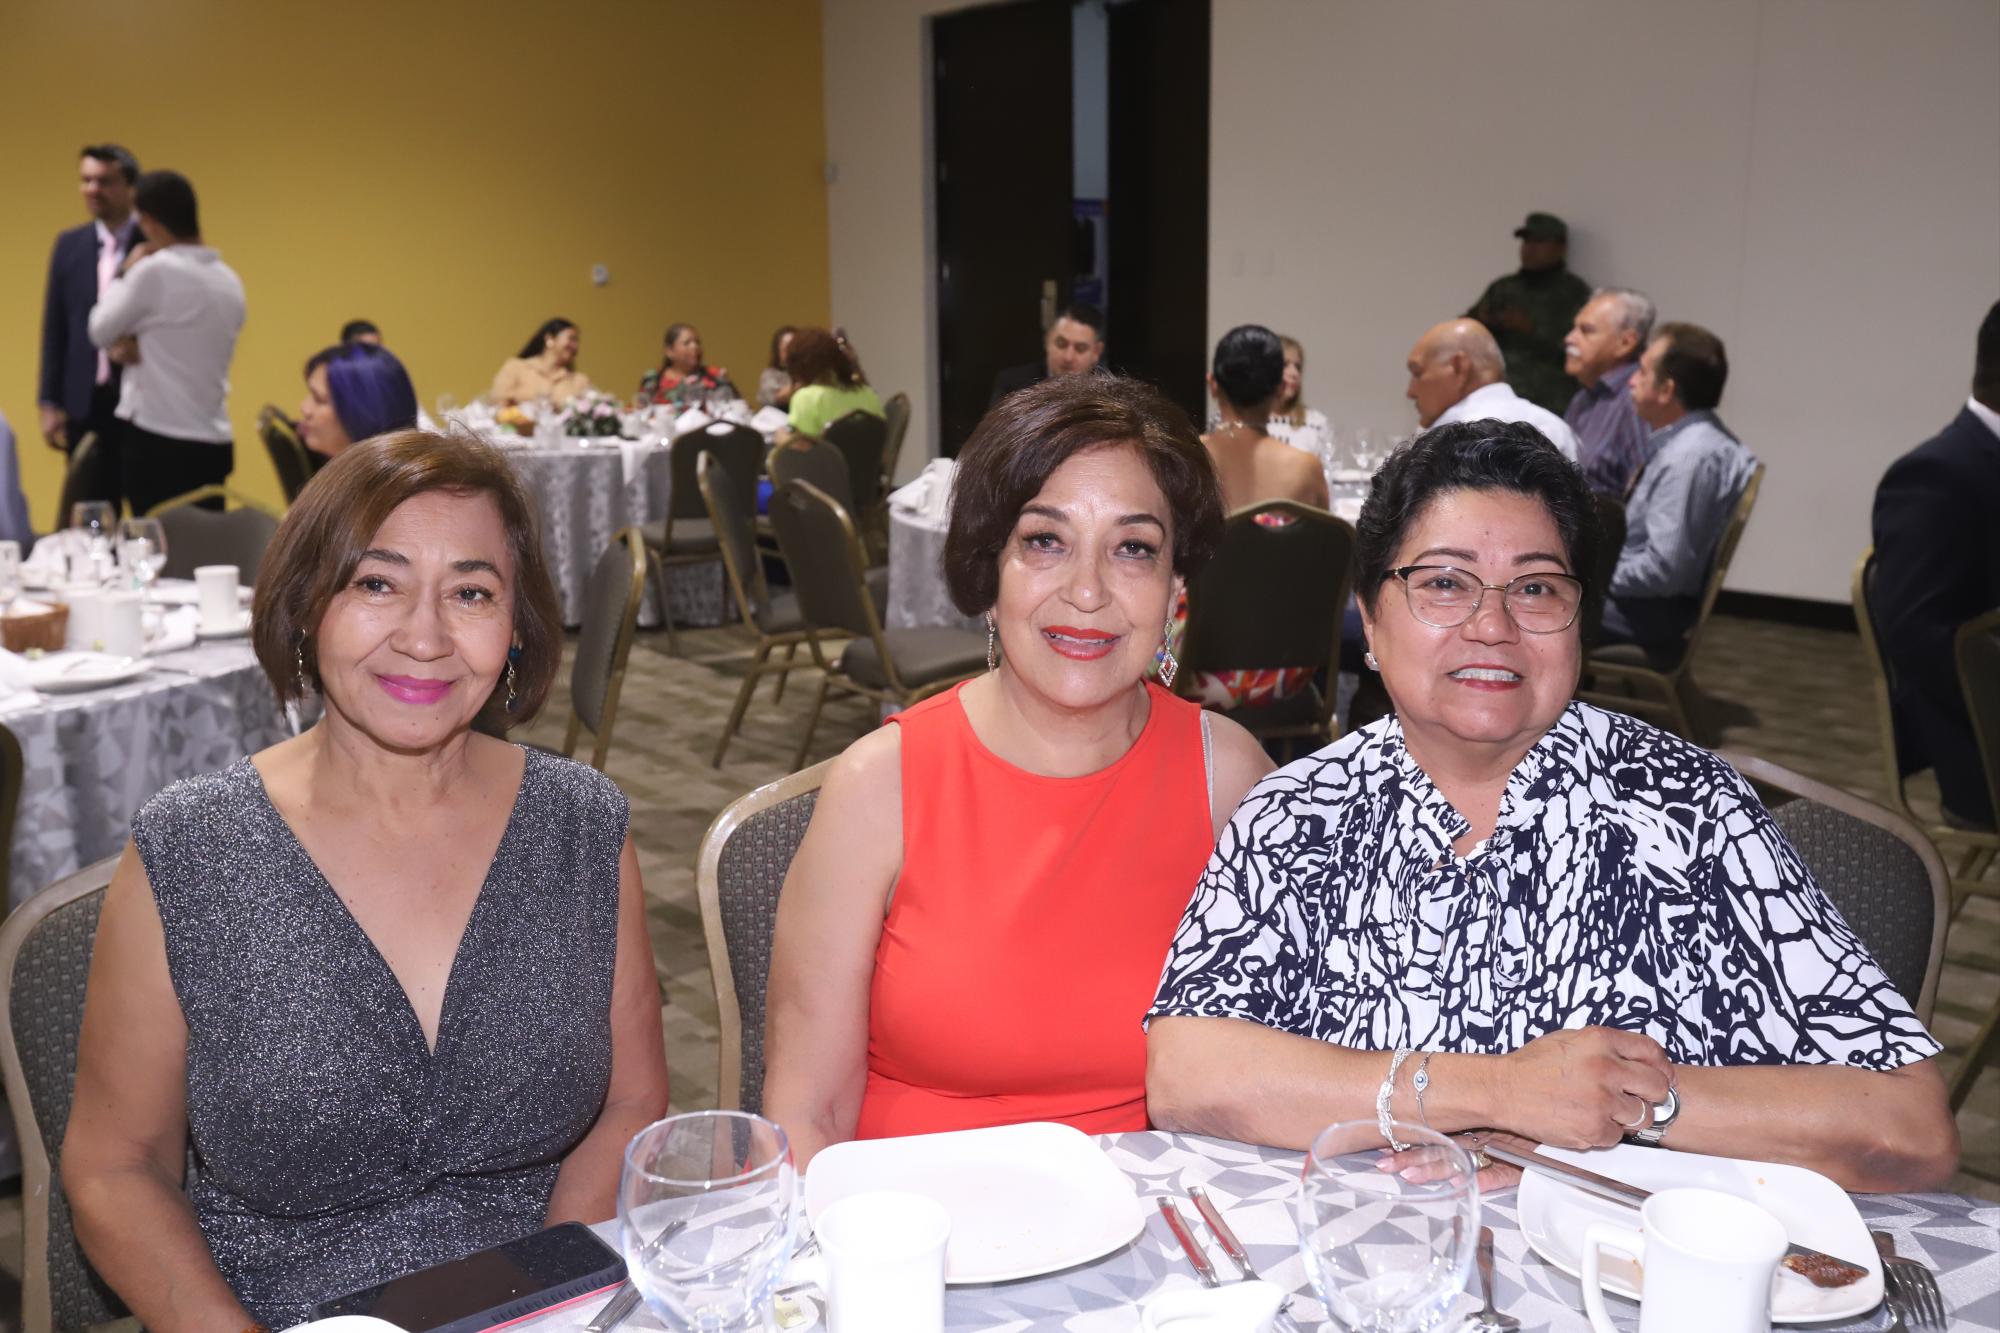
{"x":205,"y":798}
{"x":1635,"y":757}
{"x":1333,"y":774}
{"x":569,"y":783}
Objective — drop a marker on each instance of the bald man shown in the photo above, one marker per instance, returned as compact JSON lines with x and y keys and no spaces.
{"x":1458,"y":374}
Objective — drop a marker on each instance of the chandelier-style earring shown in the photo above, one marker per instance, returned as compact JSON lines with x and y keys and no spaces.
{"x":1368,"y":658}
{"x":992,"y":644}
{"x":510,"y":684}
{"x":303,"y":685}
{"x":1169,"y":665}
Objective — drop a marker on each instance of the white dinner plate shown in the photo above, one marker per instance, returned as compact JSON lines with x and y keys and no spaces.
{"x":182,"y":592}
{"x":1814,"y":1211}
{"x":1024,"y":1199}
{"x":235,"y":631}
{"x":65,"y":673}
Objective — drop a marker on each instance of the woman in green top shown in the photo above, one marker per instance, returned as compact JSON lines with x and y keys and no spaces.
{"x":827,"y":380}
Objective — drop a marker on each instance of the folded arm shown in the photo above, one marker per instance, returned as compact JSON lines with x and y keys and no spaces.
{"x":123,"y":307}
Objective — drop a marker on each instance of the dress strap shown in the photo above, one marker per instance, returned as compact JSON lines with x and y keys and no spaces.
{"x":1208,"y":764}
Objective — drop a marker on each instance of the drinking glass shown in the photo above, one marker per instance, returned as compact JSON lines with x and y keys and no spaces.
{"x":1387,"y":1237}
{"x":706,"y":1217}
{"x":97,"y":518}
{"x":10,"y":573}
{"x":142,"y":549}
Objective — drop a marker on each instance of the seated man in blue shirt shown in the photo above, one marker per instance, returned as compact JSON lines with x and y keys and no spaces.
{"x":1682,"y":503}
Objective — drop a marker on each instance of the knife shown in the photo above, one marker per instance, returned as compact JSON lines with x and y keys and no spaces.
{"x":1177,"y":1224}
{"x":1223,"y":1235}
{"x":1604,"y":1187}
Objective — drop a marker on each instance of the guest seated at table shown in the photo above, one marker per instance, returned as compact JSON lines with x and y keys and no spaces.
{"x":1565,"y":913}
{"x":682,"y":380}
{"x":354,"y":392}
{"x":774,"y":385}
{"x":973,"y":925}
{"x":389,"y":979}
{"x":1457,"y":374}
{"x":827,"y":382}
{"x":545,"y":370}
{"x":1291,"y":420}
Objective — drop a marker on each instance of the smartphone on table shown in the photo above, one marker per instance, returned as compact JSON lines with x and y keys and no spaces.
{"x":492,"y":1288}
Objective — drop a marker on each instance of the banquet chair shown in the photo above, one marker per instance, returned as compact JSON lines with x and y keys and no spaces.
{"x":13,"y":776}
{"x":1273,"y":596}
{"x":604,"y":643}
{"x":289,"y":458}
{"x":686,"y":536}
{"x":1611,"y":540}
{"x":863,"y":440}
{"x":45,"y":950}
{"x":738,"y":875}
{"x":815,"y":461}
{"x":774,"y":620}
{"x":896,"y":413}
{"x":1630,"y":665}
{"x":197,"y":536}
{"x":1877,"y":867}
{"x":1978,"y":652}
{"x":1969,"y":852}
{"x":896,"y":667}
{"x":75,"y":477}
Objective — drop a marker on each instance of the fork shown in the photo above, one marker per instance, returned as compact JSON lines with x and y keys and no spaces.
{"x":1912,"y":1286}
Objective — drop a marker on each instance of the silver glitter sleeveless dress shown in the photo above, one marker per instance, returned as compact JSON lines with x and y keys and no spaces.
{"x":331,"y":1148}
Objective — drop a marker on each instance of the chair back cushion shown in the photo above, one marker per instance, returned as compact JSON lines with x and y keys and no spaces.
{"x":817,"y":462}
{"x":197,"y":537}
{"x":1979,"y":677}
{"x":77,"y":477}
{"x":819,"y":546}
{"x":288,"y":452}
{"x":610,"y":618}
{"x":733,"y":531}
{"x":45,"y":991}
{"x":1273,"y":595}
{"x":739,"y":446}
{"x":1878,"y":882}
{"x":750,"y":871}
{"x":896,"y":415}
{"x":861,"y":437}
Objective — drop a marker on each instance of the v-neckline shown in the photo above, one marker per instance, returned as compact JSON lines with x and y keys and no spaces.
{"x":395,"y":983}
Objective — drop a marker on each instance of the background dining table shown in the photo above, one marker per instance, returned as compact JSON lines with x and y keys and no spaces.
{"x":1255,"y":1187}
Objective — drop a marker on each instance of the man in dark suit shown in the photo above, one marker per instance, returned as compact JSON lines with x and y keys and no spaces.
{"x":1073,"y":346}
{"x":78,"y":390}
{"x":1937,"y":565}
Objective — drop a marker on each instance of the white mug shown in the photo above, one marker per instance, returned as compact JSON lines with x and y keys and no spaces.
{"x":85,"y":631}
{"x":215,"y":595}
{"x":124,"y":624}
{"x":881,"y":1262}
{"x":1708,"y":1258}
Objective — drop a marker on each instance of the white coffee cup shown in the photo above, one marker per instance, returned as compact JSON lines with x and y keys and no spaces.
{"x":124,"y":623}
{"x":215,"y":595}
{"x":85,"y":631}
{"x":1708,"y":1259}
{"x":881,"y":1262}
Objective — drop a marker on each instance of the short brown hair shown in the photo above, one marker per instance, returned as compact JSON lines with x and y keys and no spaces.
{"x":321,"y":540}
{"x":1695,"y":361}
{"x":820,"y":356}
{"x":1032,"y":432}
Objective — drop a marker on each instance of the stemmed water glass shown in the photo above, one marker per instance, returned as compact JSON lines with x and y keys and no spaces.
{"x":705,"y":1218}
{"x":142,"y":549}
{"x":1388,"y":1238}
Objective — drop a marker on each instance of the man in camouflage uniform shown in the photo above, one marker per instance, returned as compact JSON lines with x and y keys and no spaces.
{"x":1529,"y":312}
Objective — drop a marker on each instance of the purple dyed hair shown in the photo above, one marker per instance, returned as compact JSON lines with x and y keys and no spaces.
{"x":371,"y":391}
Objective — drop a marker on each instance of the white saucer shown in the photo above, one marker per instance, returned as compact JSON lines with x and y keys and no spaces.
{"x":236,"y":631}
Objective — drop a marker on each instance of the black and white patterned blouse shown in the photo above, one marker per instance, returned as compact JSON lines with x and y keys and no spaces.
{"x":1633,"y":881}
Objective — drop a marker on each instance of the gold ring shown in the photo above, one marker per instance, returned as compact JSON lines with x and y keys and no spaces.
{"x":1480,"y":1161}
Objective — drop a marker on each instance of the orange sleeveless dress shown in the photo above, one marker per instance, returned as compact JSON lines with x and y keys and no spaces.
{"x":1028,"y":927}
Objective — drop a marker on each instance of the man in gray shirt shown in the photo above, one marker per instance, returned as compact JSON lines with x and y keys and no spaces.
{"x":1695,"y":474}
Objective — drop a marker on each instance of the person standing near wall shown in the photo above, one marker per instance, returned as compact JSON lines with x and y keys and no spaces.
{"x":1529,"y":312}
{"x":77,"y":392}
{"x":171,"y":318}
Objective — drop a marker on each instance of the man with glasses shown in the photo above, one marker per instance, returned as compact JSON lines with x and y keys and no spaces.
{"x":1683,"y":499}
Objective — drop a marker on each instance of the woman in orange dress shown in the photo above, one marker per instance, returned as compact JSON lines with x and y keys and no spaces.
{"x":976,"y":920}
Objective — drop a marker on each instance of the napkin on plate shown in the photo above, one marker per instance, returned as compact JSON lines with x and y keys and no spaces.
{"x":928,"y":498}
{"x":15,"y":675}
{"x":177,"y":630}
{"x":692,"y":419}
{"x":769,"y":421}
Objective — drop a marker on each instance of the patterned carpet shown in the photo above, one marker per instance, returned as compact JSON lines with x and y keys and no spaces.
{"x":1800,"y":697}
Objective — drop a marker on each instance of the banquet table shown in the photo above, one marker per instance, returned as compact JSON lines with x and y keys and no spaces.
{"x":1254,"y":1188}
{"x":91,"y":759}
{"x":917,"y":594}
{"x":586,"y":491}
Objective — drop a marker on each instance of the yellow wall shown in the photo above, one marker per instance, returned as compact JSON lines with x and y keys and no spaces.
{"x":450,"y":169}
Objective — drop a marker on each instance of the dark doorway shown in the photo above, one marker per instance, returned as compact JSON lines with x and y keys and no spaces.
{"x":1001,"y":120}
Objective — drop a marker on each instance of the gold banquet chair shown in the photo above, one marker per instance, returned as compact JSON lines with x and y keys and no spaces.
{"x":75,"y":476}
{"x":604,"y":643}
{"x":197,"y":536}
{"x":1627,"y":663}
{"x":289,"y":456}
{"x":686,"y":536}
{"x":741,"y":868}
{"x":1977,"y":648}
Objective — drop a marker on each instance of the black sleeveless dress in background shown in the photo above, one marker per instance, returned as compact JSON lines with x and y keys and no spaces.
{"x":332,"y":1148}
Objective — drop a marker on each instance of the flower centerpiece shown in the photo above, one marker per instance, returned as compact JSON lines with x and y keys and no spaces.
{"x":592,"y":415}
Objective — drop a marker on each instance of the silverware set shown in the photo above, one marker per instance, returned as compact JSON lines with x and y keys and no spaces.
{"x":1225,"y":1240}
{"x":1911,"y":1288}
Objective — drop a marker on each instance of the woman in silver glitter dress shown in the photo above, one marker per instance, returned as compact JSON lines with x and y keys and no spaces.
{"x":390,"y":979}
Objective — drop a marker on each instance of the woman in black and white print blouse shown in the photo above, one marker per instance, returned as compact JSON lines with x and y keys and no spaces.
{"x":1559,"y":912}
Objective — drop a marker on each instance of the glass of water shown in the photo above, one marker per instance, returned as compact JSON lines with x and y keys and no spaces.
{"x":142,"y":549}
{"x":10,"y":573}
{"x":706,"y":1212}
{"x":1387,"y":1237}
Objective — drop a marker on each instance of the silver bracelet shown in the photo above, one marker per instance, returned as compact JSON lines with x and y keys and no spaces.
{"x":1421,"y":1082}
{"x":1383,"y":1120}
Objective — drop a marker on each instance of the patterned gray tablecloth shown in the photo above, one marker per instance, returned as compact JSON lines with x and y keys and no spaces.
{"x":92,"y":759}
{"x":1254,"y":1188}
{"x":585,"y":497}
{"x":917,"y":595}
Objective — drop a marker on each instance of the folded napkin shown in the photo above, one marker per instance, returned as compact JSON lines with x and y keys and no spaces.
{"x":45,"y":566}
{"x":733,"y":410}
{"x":692,"y":419}
{"x":769,"y":421}
{"x":632,"y":458}
{"x":928,"y":498}
{"x":15,"y":675}
{"x":177,"y":630}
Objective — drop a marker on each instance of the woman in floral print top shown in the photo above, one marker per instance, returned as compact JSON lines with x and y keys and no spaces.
{"x":681,"y":380}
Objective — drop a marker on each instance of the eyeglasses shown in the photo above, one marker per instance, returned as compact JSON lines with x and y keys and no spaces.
{"x":1445,"y":597}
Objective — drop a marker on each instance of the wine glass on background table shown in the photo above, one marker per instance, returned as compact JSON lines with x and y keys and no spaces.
{"x":10,"y":574}
{"x":706,"y":1210}
{"x":142,"y":550}
{"x":1387,"y":1238}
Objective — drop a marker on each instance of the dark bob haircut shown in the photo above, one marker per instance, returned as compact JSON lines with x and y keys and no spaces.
{"x":371,"y":391}
{"x":1695,"y":361}
{"x":316,"y":548}
{"x":1476,"y":456}
{"x":550,"y":328}
{"x":1249,"y":365}
{"x":1033,"y":431}
{"x":167,"y":197}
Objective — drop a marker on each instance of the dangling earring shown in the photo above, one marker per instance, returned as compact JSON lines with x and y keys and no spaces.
{"x":992,"y":644}
{"x":1169,"y":665}
{"x":510,"y":684}
{"x":1368,"y":658}
{"x":303,"y":685}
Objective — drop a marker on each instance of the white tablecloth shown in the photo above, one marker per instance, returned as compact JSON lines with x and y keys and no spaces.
{"x":917,"y":595}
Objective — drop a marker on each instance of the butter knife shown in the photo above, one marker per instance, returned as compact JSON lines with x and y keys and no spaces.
{"x":1223,"y":1235}
{"x":1191,"y":1247}
{"x":1604,"y":1187}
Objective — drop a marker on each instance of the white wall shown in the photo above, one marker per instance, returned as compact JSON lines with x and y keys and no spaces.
{"x":1816,"y":180}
